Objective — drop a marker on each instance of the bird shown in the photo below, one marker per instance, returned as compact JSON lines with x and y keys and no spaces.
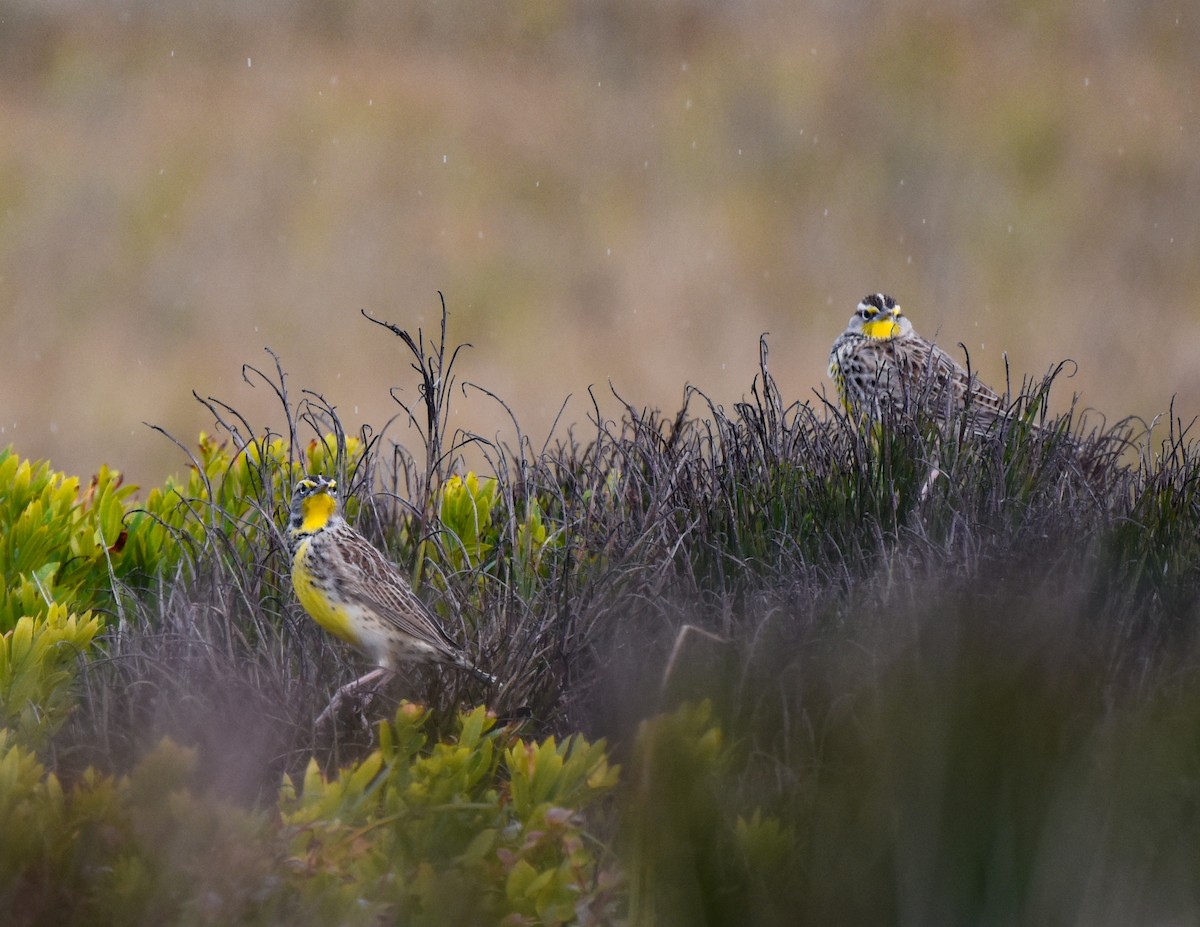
{"x":356,"y":594}
{"x":880,"y":362}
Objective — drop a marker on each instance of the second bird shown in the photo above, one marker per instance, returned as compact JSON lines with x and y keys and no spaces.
{"x":880,"y":362}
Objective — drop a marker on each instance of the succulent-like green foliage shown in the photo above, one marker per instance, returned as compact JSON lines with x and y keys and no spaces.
{"x":417,"y":833}
{"x":38,"y":659}
{"x":470,"y":831}
{"x":466,"y":510}
{"x":138,"y":849}
{"x":58,"y":544}
{"x":475,"y":521}
{"x":534,"y":539}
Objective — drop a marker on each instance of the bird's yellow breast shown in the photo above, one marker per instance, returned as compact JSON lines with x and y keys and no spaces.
{"x":325,"y":611}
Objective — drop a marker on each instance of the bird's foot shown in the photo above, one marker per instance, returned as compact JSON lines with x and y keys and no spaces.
{"x":362,"y":691}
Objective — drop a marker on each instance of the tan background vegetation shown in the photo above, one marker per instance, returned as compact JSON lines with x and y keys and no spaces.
{"x":603,"y":191}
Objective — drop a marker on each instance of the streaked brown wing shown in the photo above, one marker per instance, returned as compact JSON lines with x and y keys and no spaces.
{"x":376,"y":584}
{"x":931,"y":371}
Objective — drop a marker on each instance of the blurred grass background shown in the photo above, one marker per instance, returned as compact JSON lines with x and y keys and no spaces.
{"x":603,"y":191}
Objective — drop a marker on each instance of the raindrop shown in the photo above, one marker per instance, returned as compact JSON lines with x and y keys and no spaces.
{"x":248,"y":62}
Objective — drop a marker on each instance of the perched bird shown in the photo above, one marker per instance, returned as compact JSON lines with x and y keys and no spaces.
{"x":879,"y":362}
{"x":355,"y":593}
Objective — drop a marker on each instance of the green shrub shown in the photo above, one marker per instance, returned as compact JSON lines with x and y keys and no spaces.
{"x":37,"y":663}
{"x":58,"y":545}
{"x":139,"y":849}
{"x":466,"y":510}
{"x":471,"y":831}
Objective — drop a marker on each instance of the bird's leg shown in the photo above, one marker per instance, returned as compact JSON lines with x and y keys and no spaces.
{"x":348,"y":690}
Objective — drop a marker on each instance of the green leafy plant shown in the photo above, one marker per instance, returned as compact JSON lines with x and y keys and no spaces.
{"x":482,"y":829}
{"x":466,"y":512}
{"x":38,"y":659}
{"x":462,"y":832}
{"x":59,"y":544}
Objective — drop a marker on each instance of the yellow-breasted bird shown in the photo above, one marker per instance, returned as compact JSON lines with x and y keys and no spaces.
{"x":354,"y":592}
{"x":879,"y":362}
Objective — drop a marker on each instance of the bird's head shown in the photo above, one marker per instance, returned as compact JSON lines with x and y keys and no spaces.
{"x":314,"y":502}
{"x":880,"y":318}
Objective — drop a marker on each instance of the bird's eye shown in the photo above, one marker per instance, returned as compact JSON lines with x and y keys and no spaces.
{"x":869,"y":312}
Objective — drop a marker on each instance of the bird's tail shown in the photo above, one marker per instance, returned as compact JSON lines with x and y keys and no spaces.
{"x":468,"y":667}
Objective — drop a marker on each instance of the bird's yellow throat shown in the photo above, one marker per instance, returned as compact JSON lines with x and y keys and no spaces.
{"x":316,"y":510}
{"x":881,"y":329}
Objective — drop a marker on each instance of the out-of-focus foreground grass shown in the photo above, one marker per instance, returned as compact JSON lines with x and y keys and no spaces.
{"x":646,"y":187}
